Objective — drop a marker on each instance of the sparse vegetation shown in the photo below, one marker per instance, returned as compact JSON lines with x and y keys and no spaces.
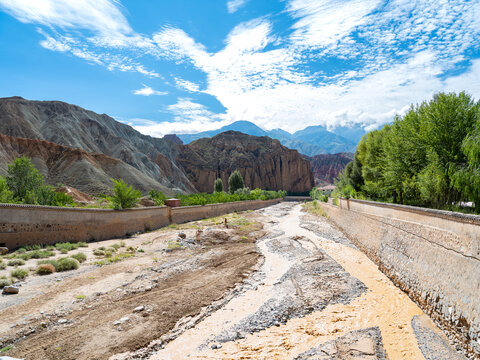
{"x":45,"y":269}
{"x":223,"y":197}
{"x":80,"y":257}
{"x":19,"y":273}
{"x":314,"y":208}
{"x":16,"y":262}
{"x":5,"y":282}
{"x":98,"y":252}
{"x":125,"y":197}
{"x":67,"y":246}
{"x":67,"y":263}
{"x":316,"y":194}
{"x":6,"y":348}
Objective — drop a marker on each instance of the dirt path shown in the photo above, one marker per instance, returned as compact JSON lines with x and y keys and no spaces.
{"x":315,"y":297}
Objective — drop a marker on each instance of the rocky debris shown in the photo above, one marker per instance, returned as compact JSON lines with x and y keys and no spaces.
{"x":146,"y":202}
{"x":355,"y":345}
{"x":263,"y":162}
{"x":432,"y":343}
{"x":10,"y":289}
{"x":139,"y":309}
{"x":3,"y":250}
{"x":182,"y":235}
{"x":121,"y":321}
{"x":62,"y":321}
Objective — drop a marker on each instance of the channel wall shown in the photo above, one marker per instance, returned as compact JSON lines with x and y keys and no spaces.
{"x":29,"y":224}
{"x":432,"y":255}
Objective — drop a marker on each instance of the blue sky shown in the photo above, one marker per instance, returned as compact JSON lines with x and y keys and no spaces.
{"x":188,"y":65}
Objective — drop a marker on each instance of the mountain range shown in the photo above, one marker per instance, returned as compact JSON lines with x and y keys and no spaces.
{"x":310,"y":141}
{"x":85,"y":150}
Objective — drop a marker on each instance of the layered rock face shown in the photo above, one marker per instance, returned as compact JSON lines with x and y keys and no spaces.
{"x":263,"y":162}
{"x":326,"y":167}
{"x":72,"y":126}
{"x":80,"y":148}
{"x":88,"y":172}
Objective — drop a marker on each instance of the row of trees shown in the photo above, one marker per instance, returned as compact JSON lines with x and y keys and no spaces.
{"x":428,"y":157}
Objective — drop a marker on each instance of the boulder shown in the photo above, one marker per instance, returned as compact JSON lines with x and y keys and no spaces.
{"x":11,"y":289}
{"x":147,"y":202}
{"x":3,"y":250}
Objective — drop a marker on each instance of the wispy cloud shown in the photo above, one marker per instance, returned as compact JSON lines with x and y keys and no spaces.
{"x":148,"y":91}
{"x":385,"y":56}
{"x":234,"y":5}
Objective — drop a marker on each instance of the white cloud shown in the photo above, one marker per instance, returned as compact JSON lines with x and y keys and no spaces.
{"x":188,"y":117}
{"x":148,"y":91}
{"x":234,"y":5}
{"x":187,"y":85}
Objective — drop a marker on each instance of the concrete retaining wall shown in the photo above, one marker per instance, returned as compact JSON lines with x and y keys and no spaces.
{"x":433,"y":255}
{"x":28,"y":224}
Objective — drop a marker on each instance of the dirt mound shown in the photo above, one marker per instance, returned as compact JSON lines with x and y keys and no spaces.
{"x":77,"y":195}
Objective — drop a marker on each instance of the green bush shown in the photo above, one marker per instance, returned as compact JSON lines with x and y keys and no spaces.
{"x":67,"y":263}
{"x":98,"y":252}
{"x":67,"y":246}
{"x":36,"y":254}
{"x":19,"y":273}
{"x":158,"y":197}
{"x":2,"y":265}
{"x":80,"y":257}
{"x":16,"y":262}
{"x":218,"y":186}
{"x":4,"y":282}
{"x":235,"y":182}
{"x":45,"y":269}
{"x":124,"y":196}
{"x":51,"y":262}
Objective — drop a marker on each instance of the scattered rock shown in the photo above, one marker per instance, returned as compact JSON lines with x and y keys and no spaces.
{"x":182,"y":235}
{"x":11,"y":290}
{"x":139,"y":308}
{"x":216,"y":346}
{"x":147,"y":202}
{"x":121,"y":321}
{"x":62,"y":321}
{"x":3,"y":250}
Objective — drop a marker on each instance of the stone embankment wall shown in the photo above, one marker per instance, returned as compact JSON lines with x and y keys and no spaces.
{"x":432,"y":255}
{"x":30,"y":224}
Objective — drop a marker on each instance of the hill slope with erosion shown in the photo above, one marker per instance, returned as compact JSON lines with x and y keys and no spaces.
{"x":326,"y":167}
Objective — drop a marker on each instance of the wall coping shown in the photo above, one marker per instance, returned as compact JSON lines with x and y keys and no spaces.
{"x":63,"y":208}
{"x":444,"y":214}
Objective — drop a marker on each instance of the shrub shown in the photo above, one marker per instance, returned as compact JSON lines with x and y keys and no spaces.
{"x":80,"y":257}
{"x":54,"y":263}
{"x":16,"y":262}
{"x":19,"y":273}
{"x":218,"y":186}
{"x":235,"y":182}
{"x":158,"y":197}
{"x":98,"y":252}
{"x":66,"y":246}
{"x":45,"y":269}
{"x":67,"y":263}
{"x":2,"y":265}
{"x":125,"y":196}
{"x":23,"y":177}
{"x":62,"y":199}
{"x":36,"y":254}
{"x":4,"y":282}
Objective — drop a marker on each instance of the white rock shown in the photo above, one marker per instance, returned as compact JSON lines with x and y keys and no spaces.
{"x":139,"y":308}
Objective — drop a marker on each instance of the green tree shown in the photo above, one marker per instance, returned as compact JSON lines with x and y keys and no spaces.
{"x":124,"y":196}
{"x":235,"y":182}
{"x":218,"y":186}
{"x":6,"y":195}
{"x":22,"y":177}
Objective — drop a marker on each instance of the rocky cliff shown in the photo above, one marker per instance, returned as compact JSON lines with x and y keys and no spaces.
{"x":75,"y":127}
{"x":88,"y":172}
{"x":326,"y":167}
{"x":263,"y":162}
{"x":83,"y":149}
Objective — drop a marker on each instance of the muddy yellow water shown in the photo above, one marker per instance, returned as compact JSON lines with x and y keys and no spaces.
{"x":382,"y":305}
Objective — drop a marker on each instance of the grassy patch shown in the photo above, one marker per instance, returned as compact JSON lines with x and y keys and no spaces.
{"x":45,"y":269}
{"x":80,"y":257}
{"x":6,"y":348}
{"x":19,"y":273}
{"x":67,"y":246}
{"x":314,"y":208}
{"x":66,"y":264}
{"x":113,"y":259}
{"x":5,"y":282}
{"x":80,"y":297}
{"x":16,"y":262}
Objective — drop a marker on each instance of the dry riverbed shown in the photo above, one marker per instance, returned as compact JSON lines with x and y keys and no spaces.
{"x":278,"y":283}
